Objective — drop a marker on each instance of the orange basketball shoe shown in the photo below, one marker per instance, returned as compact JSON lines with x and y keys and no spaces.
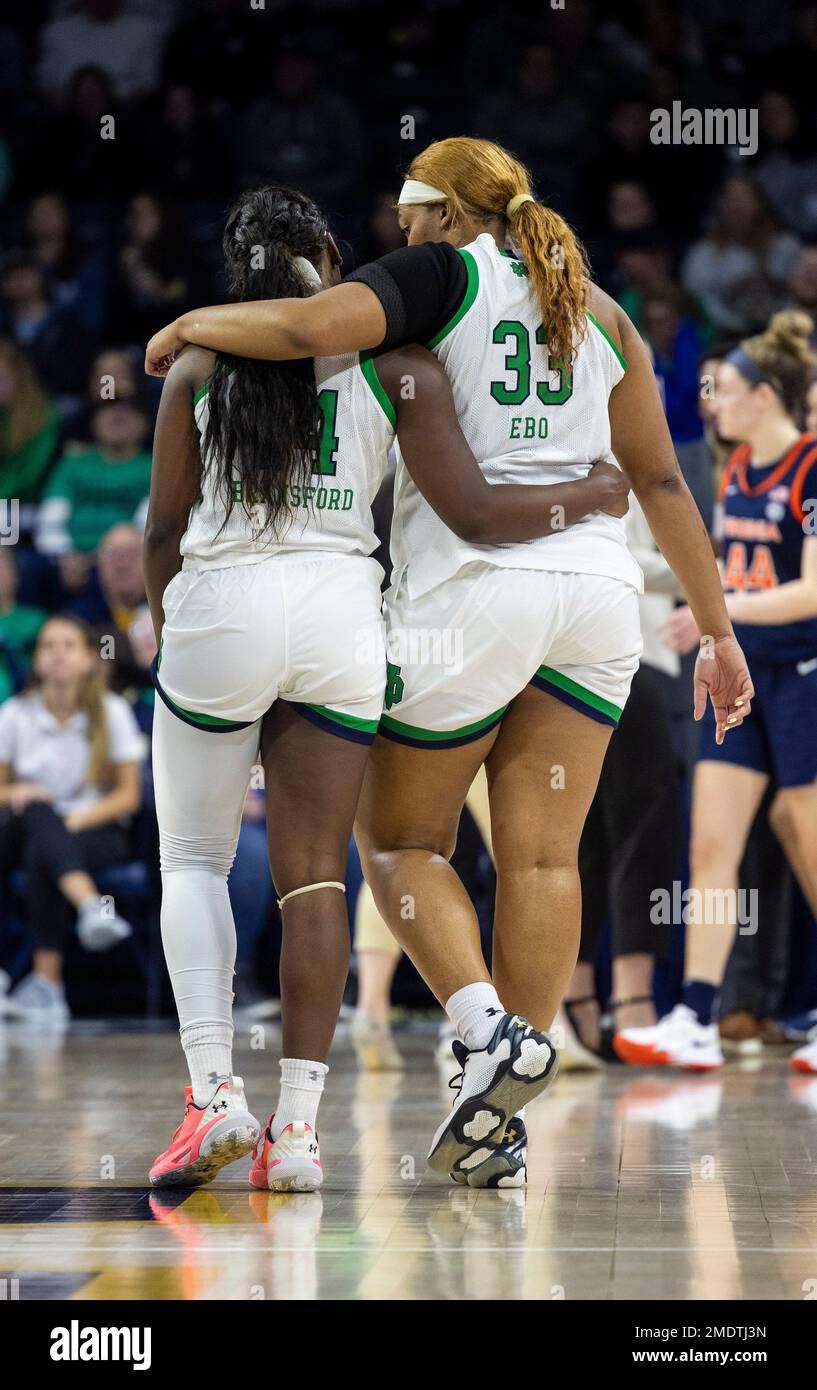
{"x":209,"y":1137}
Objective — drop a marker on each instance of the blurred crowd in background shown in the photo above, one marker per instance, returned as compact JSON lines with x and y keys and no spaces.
{"x":127,"y":127}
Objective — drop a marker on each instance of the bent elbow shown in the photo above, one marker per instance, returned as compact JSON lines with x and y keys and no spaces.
{"x":303,"y":340}
{"x":662,"y":483}
{"x":473,"y":527}
{"x":159,"y":533}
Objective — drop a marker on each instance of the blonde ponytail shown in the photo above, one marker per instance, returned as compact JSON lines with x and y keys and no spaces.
{"x":784,"y":355}
{"x":790,"y":332}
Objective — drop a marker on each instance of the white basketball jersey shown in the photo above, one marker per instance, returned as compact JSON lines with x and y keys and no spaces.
{"x":331,"y":512}
{"x":526,"y":419}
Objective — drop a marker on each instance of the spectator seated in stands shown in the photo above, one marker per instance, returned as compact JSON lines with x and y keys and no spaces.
{"x":545,"y":121}
{"x":114,"y":601}
{"x":787,"y":168}
{"x":641,"y":262}
{"x":29,"y":425}
{"x":52,"y":336}
{"x":739,"y":269}
{"x":68,"y":153}
{"x":70,"y":755}
{"x":92,"y":490}
{"x":74,"y":277}
{"x":802,"y":282}
{"x":302,"y":134}
{"x":156,"y":270}
{"x":126,"y":46}
{"x":19,"y":622}
{"x":112,"y":377}
{"x":671,"y":330}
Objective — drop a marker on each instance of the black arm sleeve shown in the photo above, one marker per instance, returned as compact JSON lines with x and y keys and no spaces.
{"x":419,"y":287}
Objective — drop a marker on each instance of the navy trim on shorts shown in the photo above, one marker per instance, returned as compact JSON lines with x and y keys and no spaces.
{"x":573,"y":702}
{"x":330,"y":726}
{"x":456,"y":741}
{"x":224,"y":726}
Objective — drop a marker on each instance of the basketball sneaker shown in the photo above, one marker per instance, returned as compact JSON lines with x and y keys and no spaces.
{"x":37,"y":1000}
{"x":495,"y":1081}
{"x":290,"y":1163}
{"x":676,"y":1040}
{"x":98,"y":928}
{"x":209,"y":1137}
{"x":805,"y":1058}
{"x":502,"y":1166}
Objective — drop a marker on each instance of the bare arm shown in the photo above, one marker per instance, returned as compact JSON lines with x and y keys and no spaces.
{"x":346,"y":318}
{"x":17,"y":795}
{"x":175,"y":477}
{"x":443,"y":467}
{"x":123,"y":799}
{"x":641,"y":443}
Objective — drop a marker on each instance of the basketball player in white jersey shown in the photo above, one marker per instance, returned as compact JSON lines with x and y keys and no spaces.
{"x":546,"y":665}
{"x":271,"y":632}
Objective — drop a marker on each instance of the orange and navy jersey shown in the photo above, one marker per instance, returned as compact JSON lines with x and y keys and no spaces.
{"x":767,"y":514}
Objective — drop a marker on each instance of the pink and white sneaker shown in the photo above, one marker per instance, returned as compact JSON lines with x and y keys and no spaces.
{"x":209,"y":1137}
{"x":290,"y":1163}
{"x":677,"y":1040}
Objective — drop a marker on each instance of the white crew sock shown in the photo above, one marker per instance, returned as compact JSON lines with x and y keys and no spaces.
{"x":208,"y":1048}
{"x":301,"y":1091}
{"x":475,"y":1012}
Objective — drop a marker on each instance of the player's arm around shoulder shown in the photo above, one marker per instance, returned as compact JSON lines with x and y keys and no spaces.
{"x":441,"y":463}
{"x":433,"y":446}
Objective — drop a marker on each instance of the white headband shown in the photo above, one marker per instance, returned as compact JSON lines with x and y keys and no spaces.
{"x":308,"y":271}
{"x":415,"y":192}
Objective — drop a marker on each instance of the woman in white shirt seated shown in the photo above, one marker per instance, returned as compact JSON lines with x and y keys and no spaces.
{"x":70,"y":755}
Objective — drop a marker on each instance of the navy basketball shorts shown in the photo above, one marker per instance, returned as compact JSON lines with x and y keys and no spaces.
{"x":780,"y":735}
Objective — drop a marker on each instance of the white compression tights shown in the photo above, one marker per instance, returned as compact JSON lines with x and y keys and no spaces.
{"x":200,"y":780}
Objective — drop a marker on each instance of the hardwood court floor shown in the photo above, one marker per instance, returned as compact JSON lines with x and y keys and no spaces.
{"x":642,"y":1185}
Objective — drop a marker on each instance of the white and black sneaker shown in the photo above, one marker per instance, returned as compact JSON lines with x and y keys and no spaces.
{"x":502,"y":1166}
{"x":518,"y":1063}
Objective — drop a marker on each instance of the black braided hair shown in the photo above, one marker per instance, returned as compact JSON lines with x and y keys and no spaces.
{"x":264,"y":420}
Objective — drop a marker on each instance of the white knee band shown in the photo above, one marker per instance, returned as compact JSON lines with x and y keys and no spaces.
{"x":311,"y":888}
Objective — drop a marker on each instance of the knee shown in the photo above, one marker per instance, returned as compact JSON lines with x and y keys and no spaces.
{"x":781,"y":821}
{"x":39,"y":820}
{"x":520,"y":860}
{"x":709,"y":847}
{"x":209,"y":854}
{"x":40,"y":826}
{"x":381,"y":845}
{"x":795,"y":826}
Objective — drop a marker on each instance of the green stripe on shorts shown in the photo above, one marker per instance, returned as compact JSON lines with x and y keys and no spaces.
{"x":580,"y":692}
{"x":349,"y":721}
{"x":435,"y":735}
{"x":207,"y":721}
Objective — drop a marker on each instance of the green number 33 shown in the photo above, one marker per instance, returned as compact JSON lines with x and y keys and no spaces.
{"x":515,"y":336}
